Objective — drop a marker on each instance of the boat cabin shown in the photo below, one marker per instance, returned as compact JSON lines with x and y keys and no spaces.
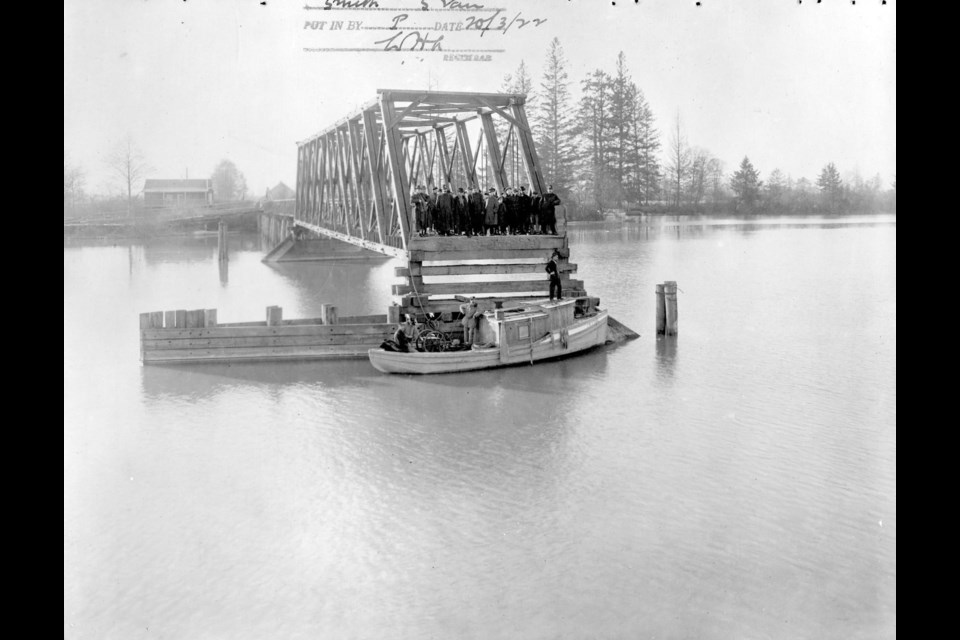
{"x":531,"y":322}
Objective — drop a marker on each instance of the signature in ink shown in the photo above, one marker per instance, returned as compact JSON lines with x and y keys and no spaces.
{"x":452,"y":4}
{"x":410,"y":41}
{"x":350,"y":4}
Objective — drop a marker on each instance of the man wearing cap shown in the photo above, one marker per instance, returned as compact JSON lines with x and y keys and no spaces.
{"x":471,"y":318}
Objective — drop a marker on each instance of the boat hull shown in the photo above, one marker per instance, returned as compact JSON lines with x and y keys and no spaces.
{"x":579,"y":337}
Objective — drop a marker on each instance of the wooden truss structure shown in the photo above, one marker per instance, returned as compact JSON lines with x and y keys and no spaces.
{"x":356,"y":179}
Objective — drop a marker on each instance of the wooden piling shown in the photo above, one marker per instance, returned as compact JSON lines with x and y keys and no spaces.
{"x":209,"y":317}
{"x":670,"y":301}
{"x":274,"y":316}
{"x":329,"y":313}
{"x":180,"y":318}
{"x":222,"y":253}
{"x":661,"y":312}
{"x":170,"y":319}
{"x":393,"y":314}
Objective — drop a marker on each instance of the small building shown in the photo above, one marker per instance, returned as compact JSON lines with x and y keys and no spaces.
{"x":280,"y":192}
{"x":177,"y":193}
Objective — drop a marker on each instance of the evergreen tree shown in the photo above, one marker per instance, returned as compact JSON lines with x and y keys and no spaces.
{"x":774,"y":192}
{"x":746,"y":186}
{"x":622,"y":107}
{"x":646,"y":145}
{"x":595,"y":116}
{"x":554,"y":123}
{"x":830,"y":187}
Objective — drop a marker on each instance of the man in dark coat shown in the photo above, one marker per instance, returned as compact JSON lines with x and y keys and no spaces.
{"x":445,"y":206}
{"x":490,"y":216}
{"x":512,"y":201}
{"x":420,"y":199}
{"x":462,"y":213}
{"x":535,"y":212}
{"x":548,"y":213}
{"x":477,"y":206}
{"x":432,"y":211}
{"x":523,"y":224}
{"x":553,"y":270}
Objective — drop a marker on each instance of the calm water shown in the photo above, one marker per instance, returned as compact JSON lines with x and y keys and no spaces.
{"x":738,"y":481}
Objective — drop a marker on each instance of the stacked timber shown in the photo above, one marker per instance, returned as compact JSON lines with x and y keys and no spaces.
{"x":189,"y":336}
{"x":508,"y":267}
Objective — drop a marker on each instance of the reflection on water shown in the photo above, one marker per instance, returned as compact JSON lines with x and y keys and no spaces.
{"x":666,"y":356}
{"x":747,"y":489}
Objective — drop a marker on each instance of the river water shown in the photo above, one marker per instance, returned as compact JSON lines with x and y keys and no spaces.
{"x":737,"y":481}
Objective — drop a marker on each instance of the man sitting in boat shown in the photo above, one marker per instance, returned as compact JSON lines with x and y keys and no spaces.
{"x":404,"y":338}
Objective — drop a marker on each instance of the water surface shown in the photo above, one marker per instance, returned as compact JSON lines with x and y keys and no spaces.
{"x":738,"y":481}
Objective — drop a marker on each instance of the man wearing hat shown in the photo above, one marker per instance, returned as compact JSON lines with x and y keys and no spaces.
{"x":523,"y":223}
{"x":420,"y":200}
{"x":445,"y":208}
{"x":490,"y":212}
{"x":548,"y":215}
{"x":553,"y":270}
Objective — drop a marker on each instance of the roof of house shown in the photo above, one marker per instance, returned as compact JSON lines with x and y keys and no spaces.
{"x":177,"y":186}
{"x":280,"y":192}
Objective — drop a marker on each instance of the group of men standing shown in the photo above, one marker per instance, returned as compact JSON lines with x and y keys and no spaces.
{"x":472,"y":213}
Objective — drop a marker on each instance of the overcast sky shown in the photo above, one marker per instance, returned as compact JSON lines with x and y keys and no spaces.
{"x":791,"y":85}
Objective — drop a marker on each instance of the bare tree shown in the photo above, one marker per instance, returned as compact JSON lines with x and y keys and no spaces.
{"x":699,"y":175}
{"x":128,"y":164}
{"x":679,"y":162}
{"x":73,"y":183}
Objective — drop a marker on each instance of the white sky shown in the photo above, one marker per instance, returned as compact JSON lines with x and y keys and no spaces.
{"x":791,"y":85}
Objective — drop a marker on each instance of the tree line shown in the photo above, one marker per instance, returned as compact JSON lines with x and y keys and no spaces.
{"x":601,"y":149}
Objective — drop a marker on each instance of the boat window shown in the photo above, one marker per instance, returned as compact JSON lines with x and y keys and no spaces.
{"x":524,"y":332}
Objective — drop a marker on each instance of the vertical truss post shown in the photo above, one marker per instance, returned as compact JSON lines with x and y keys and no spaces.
{"x":377,"y":180}
{"x":466,"y":155}
{"x":530,"y":160}
{"x":395,"y":157}
{"x":493,"y":150}
{"x":444,"y":154}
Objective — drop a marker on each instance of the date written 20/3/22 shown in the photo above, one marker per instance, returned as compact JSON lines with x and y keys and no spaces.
{"x":482,"y":24}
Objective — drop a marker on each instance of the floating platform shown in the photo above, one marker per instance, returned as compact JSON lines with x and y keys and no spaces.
{"x":194,"y":336}
{"x":182,"y":336}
